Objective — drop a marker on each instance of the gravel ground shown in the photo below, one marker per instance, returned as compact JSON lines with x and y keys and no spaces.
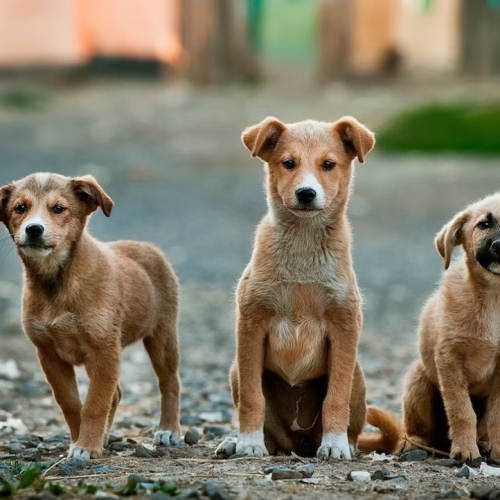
{"x":171,"y":159}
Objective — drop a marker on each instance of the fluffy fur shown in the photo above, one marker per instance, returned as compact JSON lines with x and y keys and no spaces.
{"x":451,"y":400}
{"x":296,"y":381}
{"x":84,"y":301}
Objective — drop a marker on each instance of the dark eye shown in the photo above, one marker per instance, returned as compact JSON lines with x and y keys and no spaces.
{"x":328,"y":165}
{"x":59,"y":209}
{"x":289,"y":164}
{"x":21,"y":209}
{"x":484,"y":224}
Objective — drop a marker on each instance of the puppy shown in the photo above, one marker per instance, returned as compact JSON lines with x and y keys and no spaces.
{"x":296,"y":381}
{"x":84,"y":301}
{"x":451,"y":399}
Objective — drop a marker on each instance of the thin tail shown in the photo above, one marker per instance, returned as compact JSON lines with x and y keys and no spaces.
{"x":390,"y":438}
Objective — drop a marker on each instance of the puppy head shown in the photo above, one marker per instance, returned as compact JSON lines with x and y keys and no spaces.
{"x":477,"y":229}
{"x":309,"y":163}
{"x":46,"y":213}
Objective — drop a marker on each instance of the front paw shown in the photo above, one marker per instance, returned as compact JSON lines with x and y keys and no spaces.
{"x":83,"y":453}
{"x":466,"y":452}
{"x":165,"y":438}
{"x":251,"y":444}
{"x":335,"y":446}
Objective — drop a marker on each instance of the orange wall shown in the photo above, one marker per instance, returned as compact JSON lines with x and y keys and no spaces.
{"x":374,"y":33}
{"x":430,"y":40}
{"x":39,"y":32}
{"x":52,"y":32}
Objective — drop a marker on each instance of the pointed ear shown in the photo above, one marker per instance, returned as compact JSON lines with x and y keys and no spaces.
{"x":261,"y":139}
{"x":450,"y":236}
{"x":358,"y":140}
{"x":91,"y":193}
{"x":5,"y":193}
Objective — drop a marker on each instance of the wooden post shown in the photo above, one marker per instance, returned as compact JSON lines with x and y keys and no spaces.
{"x":480,"y":30}
{"x":215,"y":42}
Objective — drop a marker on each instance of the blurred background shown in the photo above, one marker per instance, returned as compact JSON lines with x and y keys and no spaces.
{"x":150,"y":96}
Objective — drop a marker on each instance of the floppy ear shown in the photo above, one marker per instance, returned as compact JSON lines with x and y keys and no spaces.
{"x":450,"y":236}
{"x":261,"y":139}
{"x":358,"y":140}
{"x":5,"y":193}
{"x":90,"y":192}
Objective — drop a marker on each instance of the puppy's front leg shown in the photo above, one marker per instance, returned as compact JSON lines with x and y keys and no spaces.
{"x":251,"y":405}
{"x":344,"y":327}
{"x":103,"y":368}
{"x":61,"y":377}
{"x":493,"y":418}
{"x":458,"y":405}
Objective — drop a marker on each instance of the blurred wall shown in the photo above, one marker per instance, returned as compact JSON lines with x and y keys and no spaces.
{"x":429,"y":39}
{"x":39,"y":32}
{"x":53,"y":32}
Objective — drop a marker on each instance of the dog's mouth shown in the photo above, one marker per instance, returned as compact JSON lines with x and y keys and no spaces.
{"x":489,"y":264}
{"x":36,"y":246}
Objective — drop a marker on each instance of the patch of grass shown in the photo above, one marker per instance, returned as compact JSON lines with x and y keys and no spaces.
{"x":23,"y":99}
{"x":450,"y":128}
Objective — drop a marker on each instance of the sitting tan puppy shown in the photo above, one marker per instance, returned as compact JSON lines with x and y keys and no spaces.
{"x":83,"y":301}
{"x":452,"y":394}
{"x":296,"y":381}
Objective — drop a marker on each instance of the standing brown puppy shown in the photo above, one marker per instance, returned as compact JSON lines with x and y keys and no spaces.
{"x":296,"y":381}
{"x":452,"y":394}
{"x":84,"y":301}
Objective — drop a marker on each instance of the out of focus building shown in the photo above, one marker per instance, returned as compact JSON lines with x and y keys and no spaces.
{"x":219,"y":40}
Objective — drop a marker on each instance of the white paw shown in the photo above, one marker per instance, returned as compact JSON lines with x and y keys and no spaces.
{"x":335,"y":446}
{"x":252,"y":444}
{"x":81,"y":453}
{"x":165,"y":438}
{"x":227,"y":448}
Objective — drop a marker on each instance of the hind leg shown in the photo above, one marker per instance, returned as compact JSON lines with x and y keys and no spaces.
{"x":163,"y":349}
{"x":357,"y":417}
{"x":422,"y":418}
{"x":116,"y":401}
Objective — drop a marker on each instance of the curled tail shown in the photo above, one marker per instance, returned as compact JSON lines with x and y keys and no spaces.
{"x":390,"y":438}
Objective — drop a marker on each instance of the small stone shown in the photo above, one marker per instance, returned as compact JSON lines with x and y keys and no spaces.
{"x":102,"y":469}
{"x":15,"y":447}
{"x":216,"y":430}
{"x":119,"y":446}
{"x":187,"y":494}
{"x":397,"y":481}
{"x":380,"y":474}
{"x":463,"y":472}
{"x":446,"y":462}
{"x":71,"y":466}
{"x":482,"y":492}
{"x":113,"y":438}
{"x":192,"y":436}
{"x":414,"y":456}
{"x":384,"y":488}
{"x":209,"y":436}
{"x":454,"y":494}
{"x":307,"y":470}
{"x":285,"y":474}
{"x":32,"y":455}
{"x":31,"y":442}
{"x":273,"y":468}
{"x":143,"y":452}
{"x":215,"y":491}
{"x":359,"y":476}
{"x":57,"y":438}
{"x":190,"y":420}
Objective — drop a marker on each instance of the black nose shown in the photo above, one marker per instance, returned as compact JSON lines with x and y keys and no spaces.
{"x":495,"y":247}
{"x":305,"y":195}
{"x":34,"y":230}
